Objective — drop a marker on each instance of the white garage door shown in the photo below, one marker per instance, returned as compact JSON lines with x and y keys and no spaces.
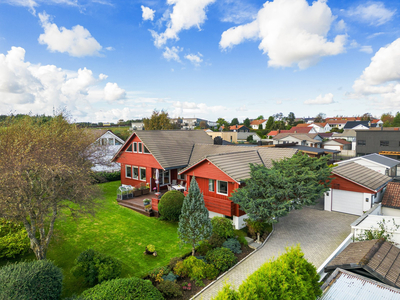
{"x":347,"y":202}
{"x":332,"y":147}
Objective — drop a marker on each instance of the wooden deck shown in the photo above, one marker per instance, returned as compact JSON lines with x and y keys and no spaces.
{"x":136,"y":204}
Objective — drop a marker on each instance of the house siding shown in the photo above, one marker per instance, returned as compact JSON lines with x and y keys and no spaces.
{"x":372,"y":140}
{"x":340,"y":183}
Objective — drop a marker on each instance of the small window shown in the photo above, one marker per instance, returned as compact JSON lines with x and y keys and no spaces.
{"x":111,"y":141}
{"x":145,"y":150}
{"x":117,"y":143}
{"x":181,"y":176}
{"x":135,"y":147}
{"x":129,"y":148}
{"x":140,"y":147}
{"x":384,"y":143}
{"x":211,"y":185}
{"x":361,"y":143}
{"x":166,"y":177}
{"x":143,"y":174}
{"x":135,"y":173}
{"x":222,"y":187}
{"x":128,"y":171}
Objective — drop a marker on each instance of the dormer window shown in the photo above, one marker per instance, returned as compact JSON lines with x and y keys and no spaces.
{"x":129,"y":149}
{"x":140,"y":147}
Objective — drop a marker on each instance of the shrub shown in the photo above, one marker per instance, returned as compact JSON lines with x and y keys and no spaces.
{"x":254,"y":227}
{"x":95,"y":267}
{"x":158,"y":273}
{"x":195,"y":268}
{"x":233,"y":245}
{"x":203,"y":248}
{"x":151,"y":248}
{"x":180,"y":270}
{"x":31,"y":280}
{"x":290,"y":276}
{"x":221,"y":258}
{"x":216,"y":241}
{"x":173,"y":262}
{"x":211,"y":272}
{"x":123,"y":289}
{"x":223,"y":227}
{"x":13,"y":239}
{"x":242,"y":240}
{"x":101,"y":177}
{"x":170,"y":205}
{"x":170,"y":289}
{"x":227,"y":293}
{"x":170,"y":277}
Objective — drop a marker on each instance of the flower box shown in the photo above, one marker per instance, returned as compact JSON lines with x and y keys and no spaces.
{"x":145,"y":191}
{"x":137,"y":192}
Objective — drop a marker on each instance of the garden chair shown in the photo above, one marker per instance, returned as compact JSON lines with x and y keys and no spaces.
{"x":174,"y":182}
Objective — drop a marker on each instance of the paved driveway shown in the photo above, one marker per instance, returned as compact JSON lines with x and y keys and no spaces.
{"x":317,"y":231}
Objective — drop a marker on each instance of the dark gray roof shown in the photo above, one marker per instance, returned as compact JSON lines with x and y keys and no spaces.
{"x":313,"y":149}
{"x":234,"y":160}
{"x":352,"y":124}
{"x":361,"y":175}
{"x":383,"y":160}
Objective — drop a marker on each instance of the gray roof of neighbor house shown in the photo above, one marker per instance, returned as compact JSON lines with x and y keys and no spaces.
{"x":361,"y":175}
{"x":345,"y":133}
{"x":234,"y":160}
{"x":171,"y":148}
{"x":380,"y":159}
{"x":313,"y":149}
{"x":300,"y":136}
{"x":378,"y":258}
{"x":344,"y":285}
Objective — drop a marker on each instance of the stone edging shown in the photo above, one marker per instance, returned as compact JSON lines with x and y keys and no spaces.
{"x":226,"y":272}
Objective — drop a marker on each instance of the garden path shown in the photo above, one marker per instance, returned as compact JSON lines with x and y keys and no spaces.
{"x":318,"y":232}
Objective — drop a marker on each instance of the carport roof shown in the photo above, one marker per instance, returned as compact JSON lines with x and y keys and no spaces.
{"x":361,"y":175}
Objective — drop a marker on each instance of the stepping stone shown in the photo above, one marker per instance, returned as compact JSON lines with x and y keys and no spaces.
{"x":249,"y":240}
{"x":254,"y":245}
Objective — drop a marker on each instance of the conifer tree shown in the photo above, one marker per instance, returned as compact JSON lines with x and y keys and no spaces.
{"x":194,"y":222}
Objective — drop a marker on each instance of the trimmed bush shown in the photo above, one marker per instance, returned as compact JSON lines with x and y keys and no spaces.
{"x":180,"y":270}
{"x":233,"y":245}
{"x":223,"y":227}
{"x":211,"y":272}
{"x":13,"y":239}
{"x":195,"y":268}
{"x":123,"y":289}
{"x":221,"y":258}
{"x":95,"y":267}
{"x":101,"y":177}
{"x":290,"y":276}
{"x":173,"y":262}
{"x":170,"y":289}
{"x":170,"y":205}
{"x":158,"y":273}
{"x":216,"y":241}
{"x":31,"y":280}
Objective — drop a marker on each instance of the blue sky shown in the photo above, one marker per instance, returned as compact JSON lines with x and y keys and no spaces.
{"x":105,"y":60}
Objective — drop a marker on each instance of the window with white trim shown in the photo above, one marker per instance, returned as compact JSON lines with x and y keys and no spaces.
{"x":181,"y":176}
{"x":117,"y":143}
{"x":143,"y":174}
{"x":128,"y":171}
{"x":129,"y":149}
{"x":140,"y":148}
{"x":222,"y":187}
{"x":134,"y":147}
{"x":135,"y":173}
{"x":166,"y":176}
{"x":145,"y":150}
{"x":211,"y":185}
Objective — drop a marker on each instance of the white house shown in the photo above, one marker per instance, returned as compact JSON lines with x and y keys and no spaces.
{"x":337,"y":144}
{"x":302,"y":139}
{"x":108,"y":145}
{"x":321,"y":127}
{"x":256,"y":123}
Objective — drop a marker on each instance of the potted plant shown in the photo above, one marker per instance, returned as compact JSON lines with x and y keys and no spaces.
{"x":144,"y":188}
{"x":137,"y":192}
{"x":150,"y":249}
{"x":148,"y":208}
{"x":146,"y":201}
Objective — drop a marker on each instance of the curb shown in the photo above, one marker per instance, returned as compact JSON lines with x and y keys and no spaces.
{"x":231,"y":269}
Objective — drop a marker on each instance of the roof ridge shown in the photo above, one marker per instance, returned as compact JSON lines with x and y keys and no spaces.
{"x":226,"y":153}
{"x":370,"y":254}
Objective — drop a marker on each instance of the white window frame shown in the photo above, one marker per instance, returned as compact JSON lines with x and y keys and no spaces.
{"x":126,"y":168}
{"x":134,"y":145}
{"x":140,"y":145}
{"x":227,"y":187}
{"x":181,"y":176}
{"x":162,"y":176}
{"x":136,"y":178}
{"x":213,"y":180}
{"x":140,"y":173}
{"x":144,"y":147}
{"x":128,"y":148}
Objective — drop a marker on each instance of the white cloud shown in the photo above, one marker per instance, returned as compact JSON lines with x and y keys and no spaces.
{"x":327,"y":99}
{"x":147,"y":13}
{"x":374,"y":13}
{"x":242,"y":108}
{"x":291,"y":32}
{"x":113,"y":92}
{"x":195,"y":59}
{"x":237,"y":11}
{"x":110,"y":48}
{"x":185,"y":15}
{"x":191,"y":108}
{"x":341,"y":25}
{"x":172,"y":53}
{"x":76,"y":42}
{"x":366,"y":49}
{"x":381,"y":79}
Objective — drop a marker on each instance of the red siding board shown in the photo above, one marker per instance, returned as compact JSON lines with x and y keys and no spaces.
{"x":206,"y":169}
{"x":340,"y":183}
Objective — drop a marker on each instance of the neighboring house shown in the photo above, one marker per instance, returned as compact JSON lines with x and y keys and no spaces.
{"x":311,"y":151}
{"x":382,"y":164}
{"x":109,"y":144}
{"x":305,"y":139}
{"x":376,"y":259}
{"x":343,"y":119}
{"x":137,"y":126}
{"x":239,"y":128}
{"x":378,"y":122}
{"x":326,"y":135}
{"x":320,"y":127}
{"x":354,"y":188}
{"x":337,"y":144}
{"x":391,"y":200}
{"x":348,"y":135}
{"x":301,"y":129}
{"x":165,"y":150}
{"x":229,"y":136}
{"x":383,"y":140}
{"x":309,"y":120}
{"x":190,"y":123}
{"x":272,"y":133}
{"x":212,"y":124}
{"x":219,"y":170}
{"x":255,"y":124}
{"x":336,"y":123}
{"x":346,"y":285}
{"x":363,"y":125}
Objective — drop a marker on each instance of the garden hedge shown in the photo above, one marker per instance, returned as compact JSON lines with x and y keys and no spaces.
{"x":13,"y":239}
{"x":39,"y":280}
{"x":170,"y":205}
{"x":123,"y":289}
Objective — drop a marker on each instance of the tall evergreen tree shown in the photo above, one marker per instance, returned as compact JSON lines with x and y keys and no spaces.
{"x":246,"y":122}
{"x":194,"y":222}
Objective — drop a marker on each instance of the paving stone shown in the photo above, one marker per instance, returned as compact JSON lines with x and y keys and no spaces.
{"x":249,"y":240}
{"x":254,"y":245}
{"x":318,"y":232}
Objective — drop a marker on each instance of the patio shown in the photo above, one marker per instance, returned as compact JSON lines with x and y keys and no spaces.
{"x":136,"y":204}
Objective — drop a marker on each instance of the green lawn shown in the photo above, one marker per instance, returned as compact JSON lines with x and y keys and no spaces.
{"x":116,"y":231}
